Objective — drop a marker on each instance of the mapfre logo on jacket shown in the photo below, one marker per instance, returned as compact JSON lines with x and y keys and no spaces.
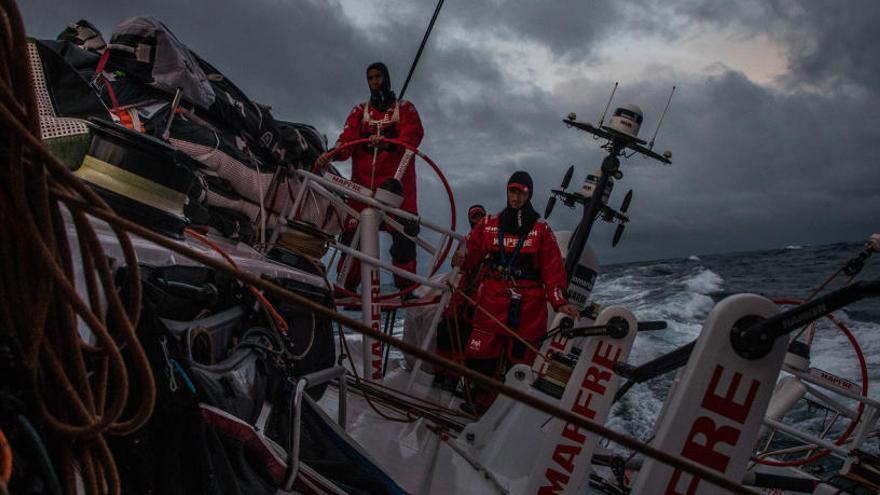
{"x":510,"y":241}
{"x":539,"y":251}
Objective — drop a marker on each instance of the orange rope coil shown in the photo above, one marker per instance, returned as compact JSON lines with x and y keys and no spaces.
{"x":5,"y":460}
{"x":81,"y":389}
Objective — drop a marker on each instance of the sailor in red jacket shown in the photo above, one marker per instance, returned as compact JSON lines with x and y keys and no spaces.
{"x":376,"y":163}
{"x":466,"y":284}
{"x":522,"y":278}
{"x":454,"y":330}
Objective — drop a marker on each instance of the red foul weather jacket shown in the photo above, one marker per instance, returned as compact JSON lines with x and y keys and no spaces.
{"x":539,"y":277}
{"x":401,"y":121}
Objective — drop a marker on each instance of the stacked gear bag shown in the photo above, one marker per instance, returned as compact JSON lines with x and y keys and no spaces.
{"x":244,"y":182}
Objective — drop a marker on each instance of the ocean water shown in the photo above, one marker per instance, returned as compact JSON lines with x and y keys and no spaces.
{"x":683,"y":291}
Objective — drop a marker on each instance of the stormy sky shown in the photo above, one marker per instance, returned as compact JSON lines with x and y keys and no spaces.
{"x":774,"y":126}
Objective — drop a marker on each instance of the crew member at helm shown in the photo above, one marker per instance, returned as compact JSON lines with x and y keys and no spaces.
{"x":523,"y":276}
{"x":380,"y":164}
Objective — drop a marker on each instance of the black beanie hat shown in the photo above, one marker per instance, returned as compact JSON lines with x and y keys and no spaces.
{"x":522,"y":179}
{"x":519,"y":221}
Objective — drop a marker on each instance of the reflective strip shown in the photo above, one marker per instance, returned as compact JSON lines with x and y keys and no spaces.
{"x":403,"y":165}
{"x":120,"y":181}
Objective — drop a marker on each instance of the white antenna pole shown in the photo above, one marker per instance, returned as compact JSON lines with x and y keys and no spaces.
{"x":602,"y":119}
{"x":651,"y":144}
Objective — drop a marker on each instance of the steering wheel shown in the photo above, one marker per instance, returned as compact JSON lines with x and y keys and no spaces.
{"x":446,"y":247}
{"x":852,"y":425}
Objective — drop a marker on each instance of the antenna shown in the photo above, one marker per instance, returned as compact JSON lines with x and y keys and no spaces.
{"x":651,"y":144}
{"x":602,"y":119}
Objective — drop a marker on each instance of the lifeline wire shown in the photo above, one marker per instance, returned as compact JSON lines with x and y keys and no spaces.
{"x":817,"y":290}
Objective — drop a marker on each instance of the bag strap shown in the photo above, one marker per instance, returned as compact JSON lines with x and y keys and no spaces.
{"x":99,"y":78}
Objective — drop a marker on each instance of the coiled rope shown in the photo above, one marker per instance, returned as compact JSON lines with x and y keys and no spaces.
{"x":81,"y":389}
{"x":5,"y":460}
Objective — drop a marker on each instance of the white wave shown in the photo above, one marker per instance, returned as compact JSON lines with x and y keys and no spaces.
{"x":681,"y":293}
{"x":615,"y":289}
{"x":687,"y":308}
{"x":683,"y":298}
{"x":794,"y":246}
{"x":698,"y":307}
{"x":637,"y":412}
{"x":704,"y":282}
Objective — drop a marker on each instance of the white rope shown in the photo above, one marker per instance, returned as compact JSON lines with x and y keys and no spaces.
{"x":297,"y":357}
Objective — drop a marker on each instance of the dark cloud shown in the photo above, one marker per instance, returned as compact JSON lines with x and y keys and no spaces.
{"x":759,"y":168}
{"x":755,"y":166}
{"x":837,"y":43}
{"x":827,"y":44}
{"x":569,"y":28}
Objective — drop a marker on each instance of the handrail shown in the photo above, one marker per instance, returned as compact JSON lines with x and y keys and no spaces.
{"x":812,"y":439}
{"x":354,"y":253}
{"x":306,"y":382}
{"x":807,"y":377}
{"x":378,"y":204}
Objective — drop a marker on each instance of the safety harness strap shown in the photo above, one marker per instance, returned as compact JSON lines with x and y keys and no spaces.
{"x":505,"y":265}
